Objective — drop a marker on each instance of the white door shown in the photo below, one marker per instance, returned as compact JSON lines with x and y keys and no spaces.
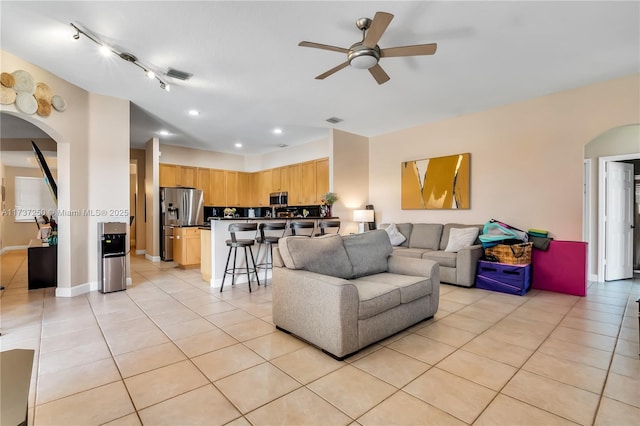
{"x":618,"y":221}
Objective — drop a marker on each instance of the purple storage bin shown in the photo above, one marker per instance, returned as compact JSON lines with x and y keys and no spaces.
{"x":512,"y":279}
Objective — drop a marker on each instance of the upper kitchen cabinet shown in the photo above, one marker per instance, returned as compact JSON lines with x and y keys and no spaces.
{"x":309,"y":180}
{"x":169,"y":175}
{"x":204,"y":183}
{"x":218,"y":188}
{"x":276,"y":180}
{"x":172,"y":175}
{"x":188,"y":176}
{"x":231,"y":187}
{"x":322,"y":179}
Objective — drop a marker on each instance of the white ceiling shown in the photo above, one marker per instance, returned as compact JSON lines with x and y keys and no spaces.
{"x":250,"y":76}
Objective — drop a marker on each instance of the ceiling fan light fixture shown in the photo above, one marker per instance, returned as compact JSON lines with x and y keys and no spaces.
{"x":363,"y":57}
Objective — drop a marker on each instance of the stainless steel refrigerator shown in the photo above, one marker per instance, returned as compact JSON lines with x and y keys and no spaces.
{"x":178,"y":207}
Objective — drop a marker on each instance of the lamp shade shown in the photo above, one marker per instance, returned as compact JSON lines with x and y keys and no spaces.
{"x":363,"y":215}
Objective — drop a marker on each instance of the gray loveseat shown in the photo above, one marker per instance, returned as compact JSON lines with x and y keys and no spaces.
{"x":342,"y":293}
{"x":429,"y":240}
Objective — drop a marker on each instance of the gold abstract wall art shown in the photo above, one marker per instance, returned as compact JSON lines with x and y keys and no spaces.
{"x":437,"y":183}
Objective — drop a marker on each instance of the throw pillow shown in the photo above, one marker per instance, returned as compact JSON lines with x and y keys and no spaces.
{"x":460,"y":238}
{"x":394,"y":235}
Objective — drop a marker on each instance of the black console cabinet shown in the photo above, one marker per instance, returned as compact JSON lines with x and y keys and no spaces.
{"x":42,"y":265}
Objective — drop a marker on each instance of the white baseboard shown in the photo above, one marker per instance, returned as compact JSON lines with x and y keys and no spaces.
{"x":152,"y":258}
{"x":240,"y":279}
{"x":593,"y":277}
{"x":10,"y":248}
{"x":75,"y":290}
{"x":138,"y":252}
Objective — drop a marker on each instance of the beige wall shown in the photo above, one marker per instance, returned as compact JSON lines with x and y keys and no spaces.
{"x":170,"y":154}
{"x":351,"y":176}
{"x":320,"y":148}
{"x":94,"y":128}
{"x":526,"y":158}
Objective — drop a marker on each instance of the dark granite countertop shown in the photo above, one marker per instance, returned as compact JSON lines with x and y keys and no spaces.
{"x":208,"y":225}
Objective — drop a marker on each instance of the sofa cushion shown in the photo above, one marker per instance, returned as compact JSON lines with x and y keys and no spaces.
{"x":375,"y":297}
{"x":426,"y":235}
{"x":460,"y":238}
{"x":324,"y":255}
{"x":447,"y":228}
{"x":404,"y":228}
{"x":410,"y":252}
{"x":395,"y":236}
{"x":368,"y":252}
{"x":444,"y":258}
{"x":411,"y":288}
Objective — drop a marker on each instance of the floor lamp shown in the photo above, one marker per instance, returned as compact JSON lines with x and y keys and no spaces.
{"x":362,"y":216}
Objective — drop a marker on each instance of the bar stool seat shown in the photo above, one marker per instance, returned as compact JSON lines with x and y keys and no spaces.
{"x":270,"y":233}
{"x":303,"y":228}
{"x":234,"y":243}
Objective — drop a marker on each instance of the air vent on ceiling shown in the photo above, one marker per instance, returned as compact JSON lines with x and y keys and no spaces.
{"x":180,"y":75}
{"x":334,"y":120}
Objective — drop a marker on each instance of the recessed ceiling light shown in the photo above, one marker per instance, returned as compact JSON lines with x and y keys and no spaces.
{"x":164,"y":133}
{"x":194,"y":112}
{"x":238,"y":145}
{"x":283,"y":145}
{"x":277,"y":131}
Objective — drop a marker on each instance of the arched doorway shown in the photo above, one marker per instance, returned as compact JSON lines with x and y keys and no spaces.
{"x":20,"y":128}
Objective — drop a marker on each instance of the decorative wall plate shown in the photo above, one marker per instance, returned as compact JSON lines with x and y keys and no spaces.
{"x":44,"y":108}
{"x":43,"y":92}
{"x":24,"y":82}
{"x":7,"y":79}
{"x":25,"y":102}
{"x":7,"y":95}
{"x":58,"y":103}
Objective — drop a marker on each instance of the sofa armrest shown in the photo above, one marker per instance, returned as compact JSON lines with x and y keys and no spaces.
{"x":467,"y":264}
{"x":403,"y":265}
{"x":318,"y":308}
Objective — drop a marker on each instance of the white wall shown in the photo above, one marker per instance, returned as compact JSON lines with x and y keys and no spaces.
{"x":170,"y":154}
{"x":526,"y":158}
{"x":320,"y":148}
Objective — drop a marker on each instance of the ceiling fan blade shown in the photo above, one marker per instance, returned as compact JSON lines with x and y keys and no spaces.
{"x":416,"y":50}
{"x":378,"y":73}
{"x":380,"y":23}
{"x":323,"y":46}
{"x":332,"y":71}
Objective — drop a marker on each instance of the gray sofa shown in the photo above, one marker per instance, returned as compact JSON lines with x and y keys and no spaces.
{"x":342,"y":293}
{"x":429,"y":240}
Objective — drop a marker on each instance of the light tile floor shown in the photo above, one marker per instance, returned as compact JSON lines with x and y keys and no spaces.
{"x":171,"y":350}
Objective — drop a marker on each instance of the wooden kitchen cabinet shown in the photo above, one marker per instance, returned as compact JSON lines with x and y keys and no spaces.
{"x":244,"y":190}
{"x":188,"y":176}
{"x":231,"y":188}
{"x":172,"y":175}
{"x":218,"y":187}
{"x":186,"y":246}
{"x":276,"y":180}
{"x":322,"y":179}
{"x":169,"y":175}
{"x":295,"y":185}
{"x":204,"y":183}
{"x":308,"y":195}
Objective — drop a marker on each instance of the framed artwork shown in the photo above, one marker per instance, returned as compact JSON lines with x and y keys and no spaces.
{"x":437,"y":183}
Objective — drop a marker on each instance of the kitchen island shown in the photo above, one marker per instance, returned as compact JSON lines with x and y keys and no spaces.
{"x":214,"y":251}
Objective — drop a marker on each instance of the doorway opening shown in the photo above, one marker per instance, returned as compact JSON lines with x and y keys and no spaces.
{"x":618,"y":216}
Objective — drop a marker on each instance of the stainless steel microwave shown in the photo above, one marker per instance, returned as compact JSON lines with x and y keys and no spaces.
{"x":279,"y":199}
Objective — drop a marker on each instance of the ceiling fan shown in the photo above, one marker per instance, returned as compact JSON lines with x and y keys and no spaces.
{"x":366,"y":54}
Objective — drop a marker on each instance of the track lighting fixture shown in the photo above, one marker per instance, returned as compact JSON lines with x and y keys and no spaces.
{"x":107,"y":50}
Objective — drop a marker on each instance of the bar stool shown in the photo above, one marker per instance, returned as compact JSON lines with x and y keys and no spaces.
{"x":328,"y":224}
{"x":233,"y":245}
{"x":270,"y":233}
{"x":302,"y":228}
